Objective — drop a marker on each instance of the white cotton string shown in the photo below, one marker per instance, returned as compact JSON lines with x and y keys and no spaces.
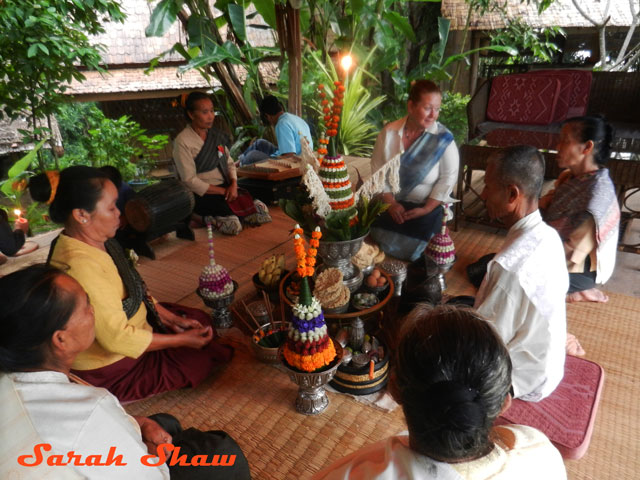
{"x":319,"y":198}
{"x":307,"y":155}
{"x":377,"y":182}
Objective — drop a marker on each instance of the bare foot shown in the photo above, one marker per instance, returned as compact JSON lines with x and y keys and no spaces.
{"x":573,"y":346}
{"x":591,"y":295}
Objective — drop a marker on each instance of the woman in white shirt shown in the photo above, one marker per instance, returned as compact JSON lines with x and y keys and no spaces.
{"x":452,"y":376}
{"x":428,"y":162}
{"x":54,"y":424}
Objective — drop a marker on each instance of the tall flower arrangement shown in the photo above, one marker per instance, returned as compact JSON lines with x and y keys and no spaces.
{"x":305,"y":260}
{"x":308,"y":347}
{"x":331,"y":116}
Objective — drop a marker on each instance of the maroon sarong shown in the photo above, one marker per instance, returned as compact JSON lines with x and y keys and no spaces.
{"x":158,"y":371}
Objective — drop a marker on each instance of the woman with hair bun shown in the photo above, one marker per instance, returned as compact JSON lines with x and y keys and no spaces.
{"x":452,"y":377}
{"x":203,"y":163}
{"x":583,"y":207}
{"x":141,"y":348}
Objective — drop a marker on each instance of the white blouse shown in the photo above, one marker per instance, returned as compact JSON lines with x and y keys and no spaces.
{"x":440,"y":181}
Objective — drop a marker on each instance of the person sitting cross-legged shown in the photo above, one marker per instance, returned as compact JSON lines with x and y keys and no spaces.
{"x":204,"y":165}
{"x":523,"y":291}
{"x":289,"y":128}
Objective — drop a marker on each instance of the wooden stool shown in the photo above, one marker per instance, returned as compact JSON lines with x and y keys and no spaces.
{"x":566,"y":416}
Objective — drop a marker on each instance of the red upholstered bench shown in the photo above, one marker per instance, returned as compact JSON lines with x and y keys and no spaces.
{"x":567,"y":416}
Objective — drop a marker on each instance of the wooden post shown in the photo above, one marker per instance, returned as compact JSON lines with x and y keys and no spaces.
{"x":290,"y":39}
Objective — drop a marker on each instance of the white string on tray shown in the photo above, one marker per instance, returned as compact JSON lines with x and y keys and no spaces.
{"x":377,"y":182}
{"x":307,"y":155}
{"x":319,"y":198}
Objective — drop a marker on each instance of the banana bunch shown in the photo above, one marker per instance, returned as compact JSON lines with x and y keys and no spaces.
{"x":271,"y":270}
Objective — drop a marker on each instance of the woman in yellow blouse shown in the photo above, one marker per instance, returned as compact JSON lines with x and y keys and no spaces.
{"x":141,"y":348}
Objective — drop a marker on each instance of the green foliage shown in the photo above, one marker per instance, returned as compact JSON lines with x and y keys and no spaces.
{"x":337,"y":225}
{"x":42,"y":47}
{"x":436,"y":68}
{"x":15,"y":185}
{"x":537,"y":43}
{"x":93,"y":139}
{"x":453,"y":114}
{"x":357,"y":132}
{"x":368,"y":212}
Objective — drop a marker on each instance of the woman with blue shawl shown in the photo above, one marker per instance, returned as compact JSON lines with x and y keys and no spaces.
{"x":583,"y":206}
{"x":428,"y":170}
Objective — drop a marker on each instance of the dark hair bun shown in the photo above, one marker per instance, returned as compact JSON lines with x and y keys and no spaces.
{"x":40,"y":188}
{"x":457,"y":405}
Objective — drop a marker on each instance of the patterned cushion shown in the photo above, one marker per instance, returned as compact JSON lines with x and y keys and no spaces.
{"x":568,"y":414}
{"x":575,"y":95}
{"x":523,"y":99}
{"x":564,"y":95}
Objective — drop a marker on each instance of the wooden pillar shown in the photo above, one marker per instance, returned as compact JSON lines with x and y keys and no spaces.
{"x":290,"y":39}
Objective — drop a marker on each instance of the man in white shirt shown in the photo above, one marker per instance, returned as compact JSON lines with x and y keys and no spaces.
{"x":523,"y":292}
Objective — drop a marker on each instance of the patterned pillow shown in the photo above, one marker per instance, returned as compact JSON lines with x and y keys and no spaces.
{"x":575,"y":95}
{"x":523,"y":99}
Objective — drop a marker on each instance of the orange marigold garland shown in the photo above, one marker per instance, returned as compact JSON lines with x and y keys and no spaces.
{"x":331,"y":117}
{"x":308,"y":347}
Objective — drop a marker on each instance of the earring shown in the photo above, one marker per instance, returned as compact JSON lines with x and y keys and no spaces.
{"x":84,"y":220}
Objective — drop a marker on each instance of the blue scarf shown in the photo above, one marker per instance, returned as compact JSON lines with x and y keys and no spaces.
{"x":418,"y":160}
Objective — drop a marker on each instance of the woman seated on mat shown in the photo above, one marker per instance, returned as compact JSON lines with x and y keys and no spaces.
{"x":201,"y":155}
{"x":141,"y":348}
{"x":47,"y":321}
{"x":583,"y":207}
{"x":428,"y":171}
{"x":452,"y":376}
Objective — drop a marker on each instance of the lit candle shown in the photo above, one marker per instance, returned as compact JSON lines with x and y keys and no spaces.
{"x":20,"y":219}
{"x":346,"y":61}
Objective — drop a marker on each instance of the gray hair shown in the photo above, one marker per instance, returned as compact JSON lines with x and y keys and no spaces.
{"x":520,"y":165}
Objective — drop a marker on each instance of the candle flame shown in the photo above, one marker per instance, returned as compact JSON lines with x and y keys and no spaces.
{"x":346,"y":61}
{"x":17,"y":211}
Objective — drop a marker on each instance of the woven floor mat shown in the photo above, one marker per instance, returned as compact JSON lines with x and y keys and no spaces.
{"x":254,"y":403}
{"x":610,"y":334}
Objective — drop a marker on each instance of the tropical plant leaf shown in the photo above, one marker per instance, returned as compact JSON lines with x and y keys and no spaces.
{"x":162,"y":17}
{"x":496,"y":48}
{"x":21,"y":165}
{"x":267,"y":9}
{"x":401,"y":23}
{"x":236,"y":16}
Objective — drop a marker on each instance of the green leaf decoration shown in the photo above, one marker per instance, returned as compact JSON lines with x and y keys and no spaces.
{"x":305,"y":292}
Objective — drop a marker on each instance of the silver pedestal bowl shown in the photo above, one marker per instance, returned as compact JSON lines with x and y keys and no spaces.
{"x":312,"y":398}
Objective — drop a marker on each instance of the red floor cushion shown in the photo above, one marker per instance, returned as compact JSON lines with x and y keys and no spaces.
{"x":523,"y":98}
{"x":567,"y":416}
